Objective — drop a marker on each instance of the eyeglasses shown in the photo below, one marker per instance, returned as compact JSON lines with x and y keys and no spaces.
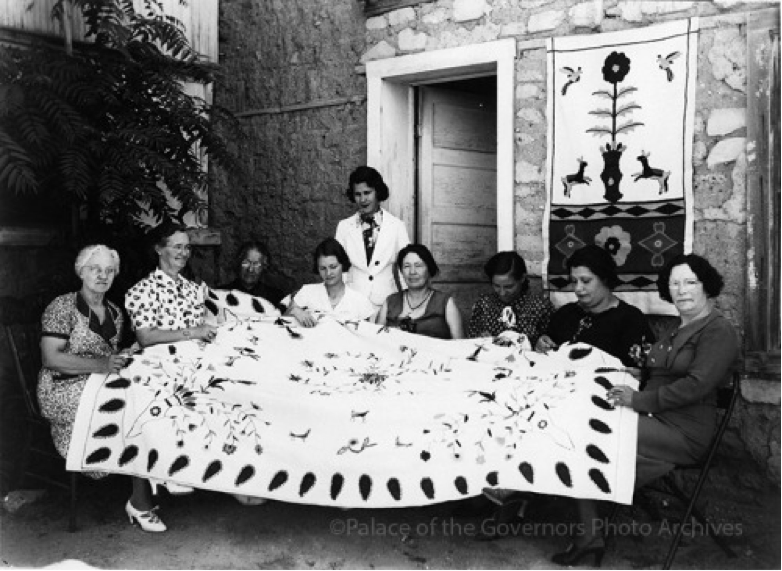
{"x":253,"y":265}
{"x":97,"y":270}
{"x":686,"y":284}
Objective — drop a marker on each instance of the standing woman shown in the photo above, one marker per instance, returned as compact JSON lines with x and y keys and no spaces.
{"x":598,"y":317}
{"x":332,"y":297}
{"x":165,"y":307}
{"x":80,"y":336}
{"x":372,"y":237}
{"x":421,"y":308}
{"x":511,"y":307}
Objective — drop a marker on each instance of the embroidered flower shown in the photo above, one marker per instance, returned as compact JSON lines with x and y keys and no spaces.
{"x":616,"y":67}
{"x":639,"y":351}
{"x":616,"y":241}
{"x":229,"y":448}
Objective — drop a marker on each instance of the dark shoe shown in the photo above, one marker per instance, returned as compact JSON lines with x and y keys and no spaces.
{"x":573,"y":555}
{"x":512,"y":510}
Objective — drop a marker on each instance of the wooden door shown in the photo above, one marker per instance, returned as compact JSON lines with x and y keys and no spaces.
{"x":457,"y":206}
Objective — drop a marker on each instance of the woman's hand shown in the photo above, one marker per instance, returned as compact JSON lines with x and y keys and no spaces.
{"x":621,"y":395}
{"x":545,"y":344}
{"x":304,"y":317}
{"x":113,"y":364}
{"x":204,"y":332}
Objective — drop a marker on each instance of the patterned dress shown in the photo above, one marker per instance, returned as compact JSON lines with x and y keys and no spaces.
{"x":161,"y":302}
{"x":69,"y":317}
{"x":529,"y":314}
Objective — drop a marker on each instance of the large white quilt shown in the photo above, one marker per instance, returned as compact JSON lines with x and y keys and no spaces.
{"x":355,"y":415}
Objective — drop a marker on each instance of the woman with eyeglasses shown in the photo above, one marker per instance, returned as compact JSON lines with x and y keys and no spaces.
{"x":420,"y":308}
{"x":253,"y":277}
{"x":677,"y":404}
{"x":332,"y":297}
{"x":80,"y":335}
{"x":597,"y":317}
{"x":166,"y":307}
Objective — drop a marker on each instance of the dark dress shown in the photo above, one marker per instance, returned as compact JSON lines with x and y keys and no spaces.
{"x":432,"y":323}
{"x":677,"y":405}
{"x":620,"y":331}
{"x":529,"y":314}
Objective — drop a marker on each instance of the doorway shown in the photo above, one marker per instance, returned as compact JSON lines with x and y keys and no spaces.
{"x":456,"y":176}
{"x":454,"y":223}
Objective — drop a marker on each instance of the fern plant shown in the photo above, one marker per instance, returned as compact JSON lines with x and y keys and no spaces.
{"x":106,"y":122}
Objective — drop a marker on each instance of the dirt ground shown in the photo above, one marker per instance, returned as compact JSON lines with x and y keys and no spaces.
{"x":213,"y":531}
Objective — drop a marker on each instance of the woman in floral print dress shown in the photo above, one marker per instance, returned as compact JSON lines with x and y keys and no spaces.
{"x":80,"y":336}
{"x":166,"y":307}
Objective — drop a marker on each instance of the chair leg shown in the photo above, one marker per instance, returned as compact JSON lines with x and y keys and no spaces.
{"x":691,"y":512}
{"x":72,"y":514}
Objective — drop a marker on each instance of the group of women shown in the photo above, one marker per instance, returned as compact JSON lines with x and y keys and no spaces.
{"x":372,"y":271}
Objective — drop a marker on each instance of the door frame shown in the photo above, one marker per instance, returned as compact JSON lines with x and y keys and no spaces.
{"x":391,"y":120}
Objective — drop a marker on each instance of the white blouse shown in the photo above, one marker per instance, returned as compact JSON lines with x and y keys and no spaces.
{"x":352,"y":307}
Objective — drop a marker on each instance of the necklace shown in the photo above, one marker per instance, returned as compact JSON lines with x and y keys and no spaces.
{"x":423,"y":301}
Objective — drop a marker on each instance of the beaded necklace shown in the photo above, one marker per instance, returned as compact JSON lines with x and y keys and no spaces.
{"x":413,"y":308}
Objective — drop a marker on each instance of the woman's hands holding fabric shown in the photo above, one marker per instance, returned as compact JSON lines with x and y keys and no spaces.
{"x":545,"y":344}
{"x":204,"y":332}
{"x":621,"y":395}
{"x":304,"y":317}
{"x":113,"y":363}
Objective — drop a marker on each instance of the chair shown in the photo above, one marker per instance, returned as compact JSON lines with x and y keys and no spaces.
{"x":24,"y":343}
{"x":726,"y":402}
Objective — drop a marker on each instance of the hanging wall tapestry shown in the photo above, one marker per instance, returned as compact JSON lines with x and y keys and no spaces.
{"x":356,"y":415}
{"x":619,"y":172}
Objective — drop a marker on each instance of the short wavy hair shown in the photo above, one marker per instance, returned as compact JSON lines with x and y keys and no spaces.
{"x":371,"y":178}
{"x":330,"y":247}
{"x":86,"y":254}
{"x":422,"y":252}
{"x":509,"y":262}
{"x":598,"y":261}
{"x":160,"y":234}
{"x":707,"y":274}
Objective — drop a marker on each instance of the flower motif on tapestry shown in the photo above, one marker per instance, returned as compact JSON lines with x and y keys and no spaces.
{"x":616,"y":241}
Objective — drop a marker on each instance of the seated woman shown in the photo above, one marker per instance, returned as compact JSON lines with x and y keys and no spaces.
{"x":332,"y":297}
{"x":598,"y":317}
{"x":692,"y":359}
{"x":165,"y":307}
{"x":510,"y":307}
{"x":252,"y":277}
{"x":80,"y":334}
{"x":421,"y":308}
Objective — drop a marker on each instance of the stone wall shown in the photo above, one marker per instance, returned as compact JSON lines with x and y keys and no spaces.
{"x":289,"y":72}
{"x":719,"y":157}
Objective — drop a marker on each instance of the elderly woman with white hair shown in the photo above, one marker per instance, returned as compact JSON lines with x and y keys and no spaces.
{"x":80,"y":336}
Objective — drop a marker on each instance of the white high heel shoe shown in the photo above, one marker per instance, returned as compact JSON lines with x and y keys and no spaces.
{"x":148,"y":521}
{"x":173,"y":488}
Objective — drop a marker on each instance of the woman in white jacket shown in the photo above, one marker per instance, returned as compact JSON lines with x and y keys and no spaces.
{"x":372,"y":237}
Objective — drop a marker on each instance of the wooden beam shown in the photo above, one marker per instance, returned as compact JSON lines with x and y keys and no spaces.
{"x":378,"y":7}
